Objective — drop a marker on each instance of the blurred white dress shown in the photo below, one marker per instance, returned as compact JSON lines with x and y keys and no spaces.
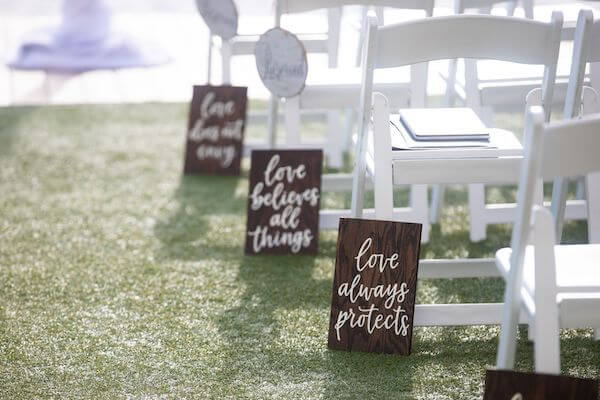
{"x":84,"y":40}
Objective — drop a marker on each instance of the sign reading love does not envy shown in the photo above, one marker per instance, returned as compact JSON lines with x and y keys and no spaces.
{"x":281,"y":62}
{"x":374,"y":286}
{"x":220,"y":16}
{"x":283,"y":202}
{"x":512,"y":385}
{"x":216,"y":130}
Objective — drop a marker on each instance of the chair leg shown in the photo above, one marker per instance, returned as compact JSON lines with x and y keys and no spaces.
{"x":531,"y":332}
{"x":437,"y":201}
{"x":547,"y":332}
{"x":476,"y":211}
{"x":335,"y":146}
{"x":292,"y":121}
{"x":382,"y":179}
{"x":580,"y":193}
{"x":420,"y":207}
{"x":272,"y":122}
{"x":226,"y":62}
{"x":592,"y":187}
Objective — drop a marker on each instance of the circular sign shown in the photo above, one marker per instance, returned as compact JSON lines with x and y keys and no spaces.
{"x":221,"y":16}
{"x":281,"y":62}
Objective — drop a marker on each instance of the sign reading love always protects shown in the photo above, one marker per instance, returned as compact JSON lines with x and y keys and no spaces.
{"x":216,"y":130}
{"x":512,"y":385}
{"x":220,"y":16}
{"x":281,"y":62}
{"x":283,"y":202}
{"x":374,"y":286}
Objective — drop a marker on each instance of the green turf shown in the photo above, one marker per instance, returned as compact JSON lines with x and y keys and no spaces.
{"x":121,"y":279}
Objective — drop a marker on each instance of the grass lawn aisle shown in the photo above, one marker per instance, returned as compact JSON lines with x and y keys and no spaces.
{"x":119,"y":278}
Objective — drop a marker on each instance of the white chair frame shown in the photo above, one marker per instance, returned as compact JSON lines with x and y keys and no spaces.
{"x":327,"y":43}
{"x":466,"y":36}
{"x":564,"y":149}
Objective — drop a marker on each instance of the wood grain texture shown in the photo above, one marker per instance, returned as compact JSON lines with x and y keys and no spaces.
{"x":388,"y":238}
{"x":504,"y":385}
{"x":266,"y":216}
{"x":214,"y":140}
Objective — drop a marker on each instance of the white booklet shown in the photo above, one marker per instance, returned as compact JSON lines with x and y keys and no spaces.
{"x":443,"y":124}
{"x":401,"y":140}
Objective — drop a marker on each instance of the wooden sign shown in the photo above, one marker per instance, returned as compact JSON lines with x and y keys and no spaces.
{"x":220,"y":16}
{"x":216,"y":130}
{"x":281,"y":62}
{"x":374,"y":286}
{"x":511,"y":385}
{"x":283,"y":202}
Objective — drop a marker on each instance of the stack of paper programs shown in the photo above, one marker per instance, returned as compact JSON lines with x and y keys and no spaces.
{"x":438,"y":128}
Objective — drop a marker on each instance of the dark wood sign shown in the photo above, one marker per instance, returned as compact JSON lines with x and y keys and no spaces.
{"x":283,"y":202}
{"x":216,"y":130}
{"x":511,"y":385}
{"x":374,"y":286}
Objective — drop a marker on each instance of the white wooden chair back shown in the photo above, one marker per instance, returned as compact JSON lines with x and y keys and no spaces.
{"x":459,"y":36}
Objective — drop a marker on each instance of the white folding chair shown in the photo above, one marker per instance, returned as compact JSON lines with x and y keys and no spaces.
{"x":482,"y":214}
{"x":315,"y":41}
{"x":467,"y":36}
{"x":459,"y":36}
{"x":338,"y":89}
{"x":556,"y":285}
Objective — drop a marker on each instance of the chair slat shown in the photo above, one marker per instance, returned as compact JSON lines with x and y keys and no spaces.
{"x":296,"y":6}
{"x":468,"y":36}
{"x":566,"y":148}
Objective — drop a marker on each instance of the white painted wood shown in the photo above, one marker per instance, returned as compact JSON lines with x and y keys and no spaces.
{"x":458,"y":268}
{"x":296,"y":6}
{"x":459,"y":314}
{"x":364,"y":119}
{"x":548,"y":279}
{"x":520,"y":237}
{"x":384,"y":195}
{"x":593,"y":209}
{"x":292,"y":121}
{"x":334,"y":145}
{"x":547,"y":347}
{"x":476,"y":196}
{"x":496,"y":37}
{"x":581,"y":51}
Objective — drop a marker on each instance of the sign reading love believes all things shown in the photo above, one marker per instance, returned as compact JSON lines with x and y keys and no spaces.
{"x":374,"y":286}
{"x":216,"y":130}
{"x":283,"y":202}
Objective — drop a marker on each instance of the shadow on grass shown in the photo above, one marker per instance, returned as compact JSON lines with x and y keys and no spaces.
{"x":183,"y":231}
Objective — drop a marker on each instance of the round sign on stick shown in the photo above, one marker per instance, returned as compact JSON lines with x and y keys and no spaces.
{"x":221,"y":16}
{"x":281,"y":62}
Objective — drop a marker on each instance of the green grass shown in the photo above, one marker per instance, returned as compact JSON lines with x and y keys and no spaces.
{"x":121,"y":279}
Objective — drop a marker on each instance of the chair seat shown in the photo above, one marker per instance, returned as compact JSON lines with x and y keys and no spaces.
{"x":577,"y":268}
{"x":463,"y":165}
{"x":340,"y":87}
